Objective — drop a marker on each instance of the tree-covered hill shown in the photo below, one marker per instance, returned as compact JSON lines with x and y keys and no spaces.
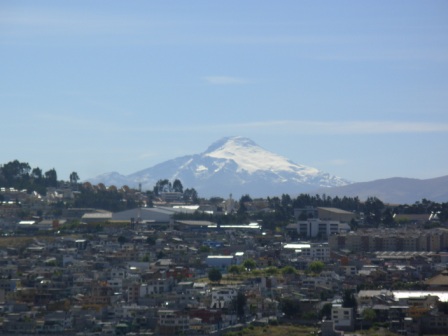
{"x":20,"y":175}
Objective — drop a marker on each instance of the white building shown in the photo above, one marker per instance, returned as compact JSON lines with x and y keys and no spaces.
{"x":220,"y":261}
{"x":156,"y":286}
{"x":221,"y":298}
{"x":343,"y":318}
{"x":313,"y":251}
{"x":321,"y":228}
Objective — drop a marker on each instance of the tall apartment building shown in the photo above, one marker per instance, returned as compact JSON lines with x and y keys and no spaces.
{"x":371,"y":240}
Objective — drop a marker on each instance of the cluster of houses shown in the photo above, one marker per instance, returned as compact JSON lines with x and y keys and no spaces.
{"x":146,"y":273}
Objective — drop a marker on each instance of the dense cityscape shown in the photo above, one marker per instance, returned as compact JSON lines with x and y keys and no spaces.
{"x":229,"y":168}
{"x":83,"y":259}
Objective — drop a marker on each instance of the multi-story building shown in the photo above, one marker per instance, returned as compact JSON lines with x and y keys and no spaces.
{"x":371,"y":240}
{"x":313,"y":251}
{"x":100,"y":293}
{"x":156,"y":286}
{"x":343,"y":318}
{"x":172,"y":322}
{"x":320,"y":228}
{"x":221,"y":298}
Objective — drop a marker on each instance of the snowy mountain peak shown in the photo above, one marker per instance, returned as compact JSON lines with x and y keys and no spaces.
{"x":233,"y":141}
{"x":231,"y":165}
{"x":250,"y":157}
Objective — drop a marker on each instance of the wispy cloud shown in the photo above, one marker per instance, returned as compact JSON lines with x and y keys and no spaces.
{"x":347,"y":127}
{"x":27,"y":24}
{"x":306,"y":127}
{"x":225,"y":80}
{"x":29,"y":21}
{"x":268,"y":126}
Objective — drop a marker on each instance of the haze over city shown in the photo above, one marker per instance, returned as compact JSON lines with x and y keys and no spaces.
{"x":356,"y":89}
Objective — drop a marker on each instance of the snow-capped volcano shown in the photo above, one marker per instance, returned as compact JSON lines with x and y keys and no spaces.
{"x":251,"y":158}
{"x":234,"y":165}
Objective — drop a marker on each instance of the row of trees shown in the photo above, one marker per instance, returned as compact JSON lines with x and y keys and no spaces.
{"x":250,"y":266}
{"x":282,"y":210}
{"x":20,"y":175}
{"x":166,"y":186}
{"x":163,"y":186}
{"x":106,"y":199}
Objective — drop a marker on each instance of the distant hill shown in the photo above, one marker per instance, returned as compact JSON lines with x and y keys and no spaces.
{"x":232,"y":165}
{"x":395,"y":190}
{"x":238,"y":166}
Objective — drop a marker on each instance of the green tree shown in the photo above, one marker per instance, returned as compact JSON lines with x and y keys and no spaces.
{"x":216,"y":200}
{"x":369,"y":314}
{"x":249,"y":264}
{"x":288,"y":270}
{"x":290,"y":308}
{"x":316,"y":266}
{"x":242,"y":209}
{"x":15,"y":170}
{"x":214,"y":275}
{"x":204,"y":249}
{"x":121,"y":240}
{"x":286,"y":200}
{"x":51,"y":178}
{"x":245,"y":198}
{"x":272,"y":271}
{"x":372,"y":209}
{"x":36,"y":174}
{"x":74,"y":178}
{"x":235,"y":269}
{"x":162,"y":186}
{"x":388,"y":218}
{"x":325,"y":312}
{"x":191,"y":195}
{"x":177,"y":186}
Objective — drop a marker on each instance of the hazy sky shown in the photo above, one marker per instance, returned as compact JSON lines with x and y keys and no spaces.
{"x":358,"y":89}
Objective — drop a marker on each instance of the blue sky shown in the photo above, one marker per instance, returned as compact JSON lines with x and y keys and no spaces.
{"x":358,"y":89}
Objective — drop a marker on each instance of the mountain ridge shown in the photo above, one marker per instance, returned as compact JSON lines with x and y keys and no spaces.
{"x":401,"y":190}
{"x":238,"y":166}
{"x":232,"y":165}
